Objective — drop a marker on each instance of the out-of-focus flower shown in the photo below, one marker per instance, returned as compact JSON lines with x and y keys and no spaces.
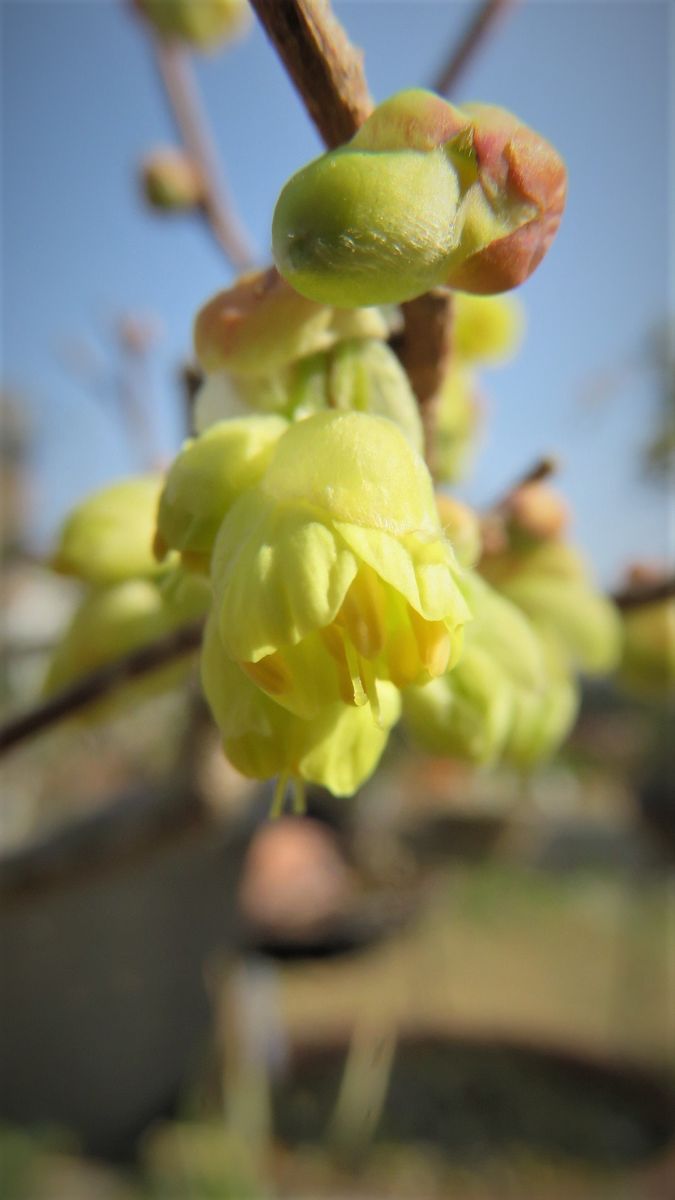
{"x":202,"y":24}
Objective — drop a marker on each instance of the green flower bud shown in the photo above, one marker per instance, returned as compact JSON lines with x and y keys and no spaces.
{"x":424,"y":194}
{"x":171,"y":182}
{"x":108,"y":537}
{"x":337,"y":749}
{"x":202,"y":24}
{"x":340,"y":538}
{"x":262,"y":324}
{"x":205,"y":479}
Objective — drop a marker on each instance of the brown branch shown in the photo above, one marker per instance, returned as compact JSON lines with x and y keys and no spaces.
{"x":326,"y":69}
{"x":100,"y":683}
{"x":639,"y":595}
{"x":480,"y":27}
{"x":191,"y":123}
{"x":425,"y":350}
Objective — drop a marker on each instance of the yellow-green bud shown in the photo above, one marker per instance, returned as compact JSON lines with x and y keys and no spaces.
{"x":262,"y":324}
{"x":108,"y":537}
{"x":205,"y":479}
{"x":202,"y":24}
{"x":424,"y":194}
{"x":171,"y":182}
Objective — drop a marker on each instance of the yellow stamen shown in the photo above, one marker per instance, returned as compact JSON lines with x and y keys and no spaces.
{"x":269,"y":673}
{"x":363,"y":613}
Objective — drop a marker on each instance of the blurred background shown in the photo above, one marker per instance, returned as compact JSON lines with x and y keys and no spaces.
{"x":459,"y":984}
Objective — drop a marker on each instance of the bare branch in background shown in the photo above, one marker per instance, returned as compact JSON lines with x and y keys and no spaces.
{"x":100,"y":683}
{"x":326,"y":69}
{"x":480,"y":27}
{"x":190,"y":119}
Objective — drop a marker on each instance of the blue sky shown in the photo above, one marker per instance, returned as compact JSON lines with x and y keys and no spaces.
{"x":81,"y":105}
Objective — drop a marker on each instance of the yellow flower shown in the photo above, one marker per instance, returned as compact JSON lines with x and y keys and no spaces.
{"x":337,"y":749}
{"x":340,"y":539}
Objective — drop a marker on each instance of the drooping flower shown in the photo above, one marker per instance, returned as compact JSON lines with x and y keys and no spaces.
{"x":337,"y":748}
{"x":340,"y":539}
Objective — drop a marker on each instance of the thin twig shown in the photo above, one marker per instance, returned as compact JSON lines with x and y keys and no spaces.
{"x":425,"y":350}
{"x":100,"y":683}
{"x":191,"y":123}
{"x":480,"y":27}
{"x":326,"y":69}
{"x":640,"y":594}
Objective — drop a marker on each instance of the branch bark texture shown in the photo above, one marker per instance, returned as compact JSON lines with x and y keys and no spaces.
{"x":100,"y":683}
{"x":326,"y":69}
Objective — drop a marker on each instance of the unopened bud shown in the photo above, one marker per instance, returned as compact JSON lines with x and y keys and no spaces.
{"x":424,"y":194}
{"x":171,"y":182}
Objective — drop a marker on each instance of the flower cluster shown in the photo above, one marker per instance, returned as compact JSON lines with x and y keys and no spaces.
{"x":333,"y":586}
{"x":301,"y":521}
